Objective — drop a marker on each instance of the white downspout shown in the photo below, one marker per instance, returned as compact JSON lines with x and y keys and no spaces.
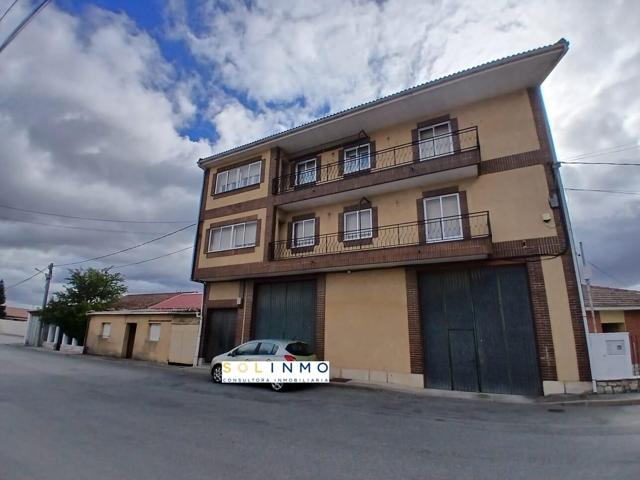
{"x":196,"y":353}
{"x":563,"y":200}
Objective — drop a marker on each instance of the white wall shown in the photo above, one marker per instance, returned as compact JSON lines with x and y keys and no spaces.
{"x":12,"y":327}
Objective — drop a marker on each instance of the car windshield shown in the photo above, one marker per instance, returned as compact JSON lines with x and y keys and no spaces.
{"x":299,"y":348}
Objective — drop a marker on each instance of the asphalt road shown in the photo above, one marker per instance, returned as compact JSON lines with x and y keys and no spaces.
{"x":81,"y":417}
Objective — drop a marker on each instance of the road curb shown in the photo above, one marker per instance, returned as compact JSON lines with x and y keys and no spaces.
{"x":495,"y":398}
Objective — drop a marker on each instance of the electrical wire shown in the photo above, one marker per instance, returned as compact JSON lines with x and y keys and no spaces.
{"x":89,"y":218}
{"x":8,"y":10}
{"x":617,"y":280}
{"x":600,"y":190}
{"x":606,"y":151}
{"x":77,"y":228}
{"x":152,"y":259}
{"x":126,"y":249}
{"x":12,"y":36}
{"x":624,"y":164}
{"x":23,"y":281}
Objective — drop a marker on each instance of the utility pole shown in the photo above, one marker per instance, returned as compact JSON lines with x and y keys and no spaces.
{"x":47,"y":282}
{"x":587,"y":281}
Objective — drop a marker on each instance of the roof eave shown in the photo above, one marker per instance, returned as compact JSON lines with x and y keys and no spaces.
{"x":561,"y":46}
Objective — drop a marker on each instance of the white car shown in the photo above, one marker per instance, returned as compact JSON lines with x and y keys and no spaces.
{"x":265,"y":351}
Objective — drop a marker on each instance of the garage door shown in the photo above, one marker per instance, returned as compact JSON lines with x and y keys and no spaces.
{"x":220,"y":334}
{"x":286,"y":310}
{"x":478,"y":331}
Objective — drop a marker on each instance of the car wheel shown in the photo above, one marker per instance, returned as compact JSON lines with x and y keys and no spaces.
{"x":277,"y":387}
{"x":216,"y":374}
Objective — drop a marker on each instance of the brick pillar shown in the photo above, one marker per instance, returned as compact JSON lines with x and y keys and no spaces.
{"x":416,"y":353}
{"x":542,"y":321}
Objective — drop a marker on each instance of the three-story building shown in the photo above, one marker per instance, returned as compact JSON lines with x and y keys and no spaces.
{"x":418,"y":239}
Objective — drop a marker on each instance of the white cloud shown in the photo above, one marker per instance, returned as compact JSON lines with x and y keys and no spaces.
{"x":341,"y":53}
{"x":89,"y":119}
{"x":91,"y":111}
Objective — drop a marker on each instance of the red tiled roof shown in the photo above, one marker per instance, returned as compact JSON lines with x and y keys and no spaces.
{"x":607,"y":297}
{"x":140,"y":301}
{"x":182,"y":301}
{"x":16,"y":313}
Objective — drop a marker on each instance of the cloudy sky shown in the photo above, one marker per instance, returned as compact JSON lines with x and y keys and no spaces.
{"x":106,"y":105}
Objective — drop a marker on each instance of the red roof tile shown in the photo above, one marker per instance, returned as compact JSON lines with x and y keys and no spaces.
{"x":16,"y":313}
{"x":182,"y":301}
{"x":607,"y":297}
{"x":140,"y":301}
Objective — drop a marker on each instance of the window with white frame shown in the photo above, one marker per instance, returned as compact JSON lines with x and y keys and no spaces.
{"x":435,"y":141}
{"x":238,"y":177}
{"x":357,"y":158}
{"x":106,"y":330}
{"x":154,"y":332}
{"x":230,"y":237}
{"x":358,"y":225}
{"x":442,"y":218}
{"x":304,"y":233}
{"x":306,"y":171}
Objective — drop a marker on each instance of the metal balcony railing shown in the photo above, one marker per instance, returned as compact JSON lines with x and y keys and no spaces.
{"x":436,"y":147}
{"x":446,"y":229}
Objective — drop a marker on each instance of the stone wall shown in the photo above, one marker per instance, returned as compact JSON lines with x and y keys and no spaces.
{"x":630,"y":385}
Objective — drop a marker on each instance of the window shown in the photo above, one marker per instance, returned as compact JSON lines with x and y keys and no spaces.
{"x":435,"y":141}
{"x":442,"y":218}
{"x":267,"y":348}
{"x":304,"y":233}
{"x":247,"y":349}
{"x":238,"y":177}
{"x":240,"y":235}
{"x":106,"y":330}
{"x":154,"y":332}
{"x":299,"y":348}
{"x":356,"y":159}
{"x":357,"y":225}
{"x":306,"y":171}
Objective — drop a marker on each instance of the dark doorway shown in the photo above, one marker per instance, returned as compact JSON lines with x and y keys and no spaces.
{"x":478,"y":330}
{"x":130,"y":338}
{"x":286,"y":310}
{"x":220,"y":335}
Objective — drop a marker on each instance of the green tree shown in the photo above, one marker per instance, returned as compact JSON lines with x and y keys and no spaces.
{"x":84,"y":291}
{"x":3,"y":300}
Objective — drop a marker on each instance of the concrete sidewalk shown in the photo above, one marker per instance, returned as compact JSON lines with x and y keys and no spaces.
{"x":590,"y":399}
{"x":622,"y":399}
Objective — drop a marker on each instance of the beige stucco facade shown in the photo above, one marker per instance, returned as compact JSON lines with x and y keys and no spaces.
{"x":224,"y":291}
{"x":255,"y":256}
{"x":366,"y":328}
{"x":516,"y":201}
{"x":223,"y":201}
{"x":177,"y":342}
{"x":563,"y":339}
{"x":367,"y":333}
{"x":505,"y":126}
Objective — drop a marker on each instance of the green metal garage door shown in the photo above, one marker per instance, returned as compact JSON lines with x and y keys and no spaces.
{"x":286,"y":310}
{"x":478,"y":331}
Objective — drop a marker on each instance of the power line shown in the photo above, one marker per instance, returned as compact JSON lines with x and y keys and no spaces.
{"x":88,"y":218}
{"x":600,"y":190}
{"x":23,"y":24}
{"x":617,"y":280}
{"x":8,"y":10}
{"x":76,"y":228}
{"x":24,"y":281}
{"x":152,"y":259}
{"x":126,"y":249}
{"x":606,"y":151}
{"x":629,"y":164}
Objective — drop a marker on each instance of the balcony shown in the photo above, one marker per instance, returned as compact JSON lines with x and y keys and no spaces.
{"x":457,"y":149}
{"x":467,"y":235}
